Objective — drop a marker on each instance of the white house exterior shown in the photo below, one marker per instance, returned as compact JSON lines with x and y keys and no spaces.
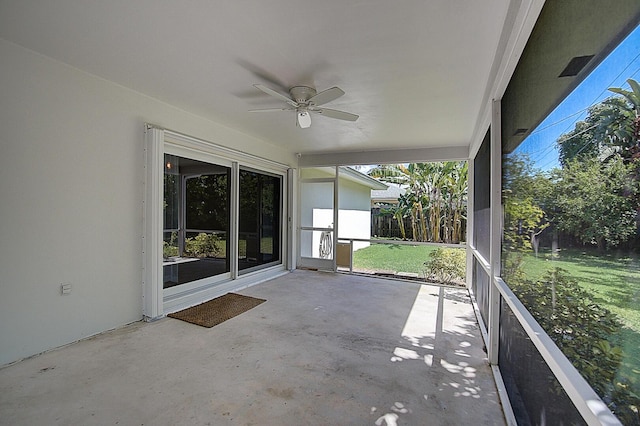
{"x":354,"y":211}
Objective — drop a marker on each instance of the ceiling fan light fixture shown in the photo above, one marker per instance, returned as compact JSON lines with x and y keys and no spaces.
{"x":304,"y":100}
{"x":304,"y":119}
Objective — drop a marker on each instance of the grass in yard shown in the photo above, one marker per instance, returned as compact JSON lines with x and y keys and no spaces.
{"x":392,"y":257}
{"x":614,"y":282}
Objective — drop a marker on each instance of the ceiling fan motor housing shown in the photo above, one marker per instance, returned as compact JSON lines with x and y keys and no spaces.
{"x":301,"y":94}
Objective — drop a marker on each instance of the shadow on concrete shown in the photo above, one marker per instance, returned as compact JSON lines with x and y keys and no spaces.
{"x":324,"y":349}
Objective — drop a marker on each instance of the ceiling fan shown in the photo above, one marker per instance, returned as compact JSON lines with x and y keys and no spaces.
{"x":305,"y":100}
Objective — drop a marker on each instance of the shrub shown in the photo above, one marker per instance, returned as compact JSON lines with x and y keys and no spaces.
{"x":578,"y":326}
{"x":584,"y":332}
{"x":202,"y":245}
{"x":170,"y":248}
{"x":447,"y":265}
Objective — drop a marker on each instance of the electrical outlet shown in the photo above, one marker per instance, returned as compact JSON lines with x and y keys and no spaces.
{"x":65,"y":288}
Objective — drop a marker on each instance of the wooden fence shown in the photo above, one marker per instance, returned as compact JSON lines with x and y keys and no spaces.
{"x":386,"y":226}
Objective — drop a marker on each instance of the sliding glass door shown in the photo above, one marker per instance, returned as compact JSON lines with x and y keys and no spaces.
{"x":196,"y":220}
{"x":259,"y":216}
{"x":213,"y":219}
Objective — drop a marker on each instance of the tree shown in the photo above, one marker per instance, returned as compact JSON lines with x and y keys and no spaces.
{"x":407,"y":176}
{"x":611,"y":127}
{"x":599,"y":134}
{"x":458,"y":188}
{"x":525,"y":191}
{"x":524,"y":221}
{"x":595,"y":201}
{"x":521,"y":180}
{"x":206,"y":202}
{"x":435,"y":198}
{"x":630,"y":128}
{"x":454,"y":183}
{"x":398,"y":212}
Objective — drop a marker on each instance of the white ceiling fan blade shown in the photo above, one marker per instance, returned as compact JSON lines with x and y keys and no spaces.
{"x":275,"y":94}
{"x":334,"y":113}
{"x":326,"y":96}
{"x":271,"y":109}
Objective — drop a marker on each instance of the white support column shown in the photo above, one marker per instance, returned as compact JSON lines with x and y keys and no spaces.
{"x":470,"y":220}
{"x":182,"y":214}
{"x":152,"y":293}
{"x":298,"y":216}
{"x":290,"y":251}
{"x":495,"y":232}
{"x":336,"y":209}
{"x":234,"y":224}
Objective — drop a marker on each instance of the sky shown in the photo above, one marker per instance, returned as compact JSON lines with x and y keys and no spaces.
{"x":623,"y":63}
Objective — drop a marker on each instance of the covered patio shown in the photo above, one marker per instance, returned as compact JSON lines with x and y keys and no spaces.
{"x":130,"y":129}
{"x":325,"y":348}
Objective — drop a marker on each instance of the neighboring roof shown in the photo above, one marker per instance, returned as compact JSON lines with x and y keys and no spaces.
{"x":355,"y":176}
{"x":393,"y":192}
{"x":346,"y":173}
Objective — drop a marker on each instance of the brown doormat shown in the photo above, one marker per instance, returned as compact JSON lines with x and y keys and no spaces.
{"x":217,"y":310}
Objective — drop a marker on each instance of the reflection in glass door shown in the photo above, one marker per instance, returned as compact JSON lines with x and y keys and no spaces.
{"x":259,"y":220}
{"x":196,"y":220}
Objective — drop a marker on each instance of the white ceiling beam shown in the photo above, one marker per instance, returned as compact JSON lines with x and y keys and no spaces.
{"x":419,"y":155}
{"x":518,"y":25}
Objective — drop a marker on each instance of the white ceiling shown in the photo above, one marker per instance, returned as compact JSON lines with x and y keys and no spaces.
{"x":416,"y":71}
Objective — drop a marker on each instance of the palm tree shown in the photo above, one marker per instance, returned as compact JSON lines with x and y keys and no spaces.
{"x":459,"y":202}
{"x":399,"y":212}
{"x":632,"y":96}
{"x":407,"y":177}
{"x":435,"y":198}
{"x":630,"y":129}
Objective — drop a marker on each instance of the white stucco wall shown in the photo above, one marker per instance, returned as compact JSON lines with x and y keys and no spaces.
{"x":313,"y":197}
{"x":353,"y":224}
{"x":353,"y":196}
{"x":71,"y":175}
{"x":354,"y":212}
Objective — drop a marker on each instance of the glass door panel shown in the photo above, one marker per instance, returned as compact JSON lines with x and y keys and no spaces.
{"x":196,"y":220}
{"x":259,"y":213}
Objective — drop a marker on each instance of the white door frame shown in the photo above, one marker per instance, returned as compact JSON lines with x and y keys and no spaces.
{"x":311,"y":262}
{"x":156,"y":301}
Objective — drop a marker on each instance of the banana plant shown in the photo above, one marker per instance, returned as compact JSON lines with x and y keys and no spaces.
{"x":631,"y":130}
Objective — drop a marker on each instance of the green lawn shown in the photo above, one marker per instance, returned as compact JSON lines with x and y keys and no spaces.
{"x":392,"y":257}
{"x":614,"y":282}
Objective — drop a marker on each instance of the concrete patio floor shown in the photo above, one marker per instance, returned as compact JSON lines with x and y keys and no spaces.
{"x":325,"y":349}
